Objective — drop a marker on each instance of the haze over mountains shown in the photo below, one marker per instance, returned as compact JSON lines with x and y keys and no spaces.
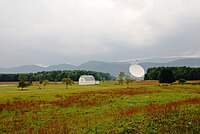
{"x":109,"y":67}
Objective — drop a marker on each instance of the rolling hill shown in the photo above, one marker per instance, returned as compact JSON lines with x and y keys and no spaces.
{"x":109,"y":67}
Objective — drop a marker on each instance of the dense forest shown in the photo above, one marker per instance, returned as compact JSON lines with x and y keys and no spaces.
{"x":186,"y":73}
{"x":56,"y":75}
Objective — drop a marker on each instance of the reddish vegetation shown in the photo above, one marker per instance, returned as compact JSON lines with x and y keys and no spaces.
{"x":21,"y":105}
{"x":82,"y":100}
{"x":148,"y":82}
{"x":125,"y":112}
{"x":198,"y":92}
{"x":130,"y":111}
{"x":92,"y":98}
{"x":155,"y":108}
{"x":128,"y":91}
{"x":8,"y":83}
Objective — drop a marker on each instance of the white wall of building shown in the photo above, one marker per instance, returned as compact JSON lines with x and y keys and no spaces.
{"x":87,"y":80}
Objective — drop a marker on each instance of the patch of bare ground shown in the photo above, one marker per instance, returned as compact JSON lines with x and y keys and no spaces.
{"x":148,"y":82}
{"x":4,"y":83}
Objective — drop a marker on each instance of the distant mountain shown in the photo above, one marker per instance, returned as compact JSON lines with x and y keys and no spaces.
{"x":61,"y":67}
{"x":36,"y":68}
{"x":108,"y":67}
{"x":22,"y":69}
{"x":190,"y":62}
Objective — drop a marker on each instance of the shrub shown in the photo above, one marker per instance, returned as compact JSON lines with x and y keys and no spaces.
{"x":181,"y":81}
{"x":23,"y":84}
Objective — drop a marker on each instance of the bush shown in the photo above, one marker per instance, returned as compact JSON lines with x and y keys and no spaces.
{"x":181,"y":81}
{"x":23,"y":84}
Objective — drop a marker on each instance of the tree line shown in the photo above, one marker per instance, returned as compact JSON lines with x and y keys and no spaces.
{"x":187,"y":73}
{"x":56,"y":76}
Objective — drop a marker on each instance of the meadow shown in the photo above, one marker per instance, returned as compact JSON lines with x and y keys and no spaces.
{"x":140,"y":107}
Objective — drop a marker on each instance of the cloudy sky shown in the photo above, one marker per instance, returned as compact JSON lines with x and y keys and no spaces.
{"x":75,"y":31}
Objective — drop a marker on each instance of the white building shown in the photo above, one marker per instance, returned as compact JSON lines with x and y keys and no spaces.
{"x":87,"y":80}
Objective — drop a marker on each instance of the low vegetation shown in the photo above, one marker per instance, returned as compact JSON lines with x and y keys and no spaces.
{"x":139,"y":107}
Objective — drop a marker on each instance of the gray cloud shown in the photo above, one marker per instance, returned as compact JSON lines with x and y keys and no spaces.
{"x":75,"y":31}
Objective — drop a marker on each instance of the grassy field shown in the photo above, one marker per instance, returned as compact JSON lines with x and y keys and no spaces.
{"x":140,"y":107}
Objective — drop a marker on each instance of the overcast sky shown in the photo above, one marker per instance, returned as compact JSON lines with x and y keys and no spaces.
{"x":75,"y":31}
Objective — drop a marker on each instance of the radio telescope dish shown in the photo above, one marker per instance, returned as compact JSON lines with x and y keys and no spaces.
{"x":136,"y":70}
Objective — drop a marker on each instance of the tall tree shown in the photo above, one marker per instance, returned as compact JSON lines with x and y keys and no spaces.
{"x":121,"y":78}
{"x":67,"y":81}
{"x":22,"y":81}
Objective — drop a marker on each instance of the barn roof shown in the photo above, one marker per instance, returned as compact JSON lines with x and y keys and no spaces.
{"x":88,"y":77}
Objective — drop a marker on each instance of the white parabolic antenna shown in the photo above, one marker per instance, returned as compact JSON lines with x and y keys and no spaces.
{"x":136,"y":70}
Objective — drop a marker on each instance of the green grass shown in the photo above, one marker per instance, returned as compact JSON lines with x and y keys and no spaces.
{"x":141,"y":107}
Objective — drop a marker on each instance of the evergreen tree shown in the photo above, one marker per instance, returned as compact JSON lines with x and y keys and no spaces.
{"x":22,"y":77}
{"x":166,"y":76}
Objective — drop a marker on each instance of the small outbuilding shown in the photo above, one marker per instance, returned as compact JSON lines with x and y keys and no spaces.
{"x":87,"y":80}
